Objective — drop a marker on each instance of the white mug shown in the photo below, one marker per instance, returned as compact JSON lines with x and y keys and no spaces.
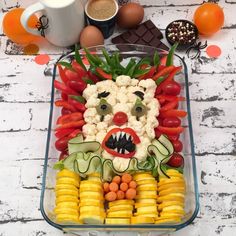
{"x":60,"y":23}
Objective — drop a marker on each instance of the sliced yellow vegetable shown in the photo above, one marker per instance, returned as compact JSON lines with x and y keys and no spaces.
{"x":147,"y":181}
{"x":91,"y":219}
{"x":171,"y":197}
{"x":120,"y":214}
{"x":142,"y":220}
{"x":170,"y":220}
{"x":121,"y":202}
{"x":170,"y":203}
{"x":62,"y":192}
{"x":138,"y":205}
{"x":91,"y":195}
{"x":67,"y":204}
{"x":146,"y":200}
{"x":120,"y":207}
{"x":67,"y":173}
{"x":117,"y":221}
{"x":67,"y":198}
{"x":65,"y":186}
{"x":94,"y":188}
{"x":171,"y":190}
{"x":84,"y":209}
{"x":65,"y":210}
{"x":171,"y":185}
{"x":150,"y":214}
{"x":67,"y":218}
{"x":68,"y":180}
{"x":147,"y":187}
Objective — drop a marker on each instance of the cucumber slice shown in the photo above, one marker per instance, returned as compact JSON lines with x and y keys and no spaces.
{"x":69,"y":162}
{"x":85,"y":147}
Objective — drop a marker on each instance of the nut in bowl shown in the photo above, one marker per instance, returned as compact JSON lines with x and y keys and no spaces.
{"x":117,"y":174}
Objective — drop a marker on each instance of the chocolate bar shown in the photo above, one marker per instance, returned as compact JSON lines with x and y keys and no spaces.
{"x":145,"y":34}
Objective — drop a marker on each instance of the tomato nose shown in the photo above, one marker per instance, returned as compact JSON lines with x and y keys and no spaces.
{"x":120,"y":118}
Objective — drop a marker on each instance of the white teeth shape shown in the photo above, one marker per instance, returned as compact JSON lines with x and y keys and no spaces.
{"x":116,"y":149}
{"x":113,"y":136}
{"x":126,"y":152}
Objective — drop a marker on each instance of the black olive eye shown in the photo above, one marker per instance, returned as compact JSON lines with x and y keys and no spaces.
{"x":139,"y":109}
{"x":103,"y":108}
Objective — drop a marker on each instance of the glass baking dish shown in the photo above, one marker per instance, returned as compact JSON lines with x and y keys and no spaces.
{"x":47,"y":201}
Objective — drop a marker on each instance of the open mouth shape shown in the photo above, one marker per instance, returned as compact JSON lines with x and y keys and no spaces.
{"x":121,"y":142}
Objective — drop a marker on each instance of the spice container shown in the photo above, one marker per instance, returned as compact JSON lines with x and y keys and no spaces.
{"x":182,"y":31}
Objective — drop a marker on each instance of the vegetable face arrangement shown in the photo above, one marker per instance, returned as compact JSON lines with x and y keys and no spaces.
{"x":118,"y":135}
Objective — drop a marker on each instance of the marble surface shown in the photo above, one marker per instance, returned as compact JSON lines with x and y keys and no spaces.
{"x":24,"y":110}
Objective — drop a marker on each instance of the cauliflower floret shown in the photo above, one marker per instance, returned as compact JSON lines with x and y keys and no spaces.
{"x":107,"y":155}
{"x":102,"y":126}
{"x":137,"y":126}
{"x":111,"y":99}
{"x":100,"y":136}
{"x":150,"y":131}
{"x":121,"y":97}
{"x":108,"y":118}
{"x":90,"y":112}
{"x":121,"y":107}
{"x":123,"y":80}
{"x":134,"y":82}
{"x":141,"y":148}
{"x":147,"y":83}
{"x":89,"y":129}
{"x":121,"y":164}
{"x":106,"y":86}
{"x":90,"y":138}
{"x":89,"y":91}
{"x":93,"y":101}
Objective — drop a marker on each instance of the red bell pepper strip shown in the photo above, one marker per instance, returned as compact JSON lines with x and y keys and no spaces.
{"x":169,"y":106}
{"x":63,"y":132}
{"x":64,"y":96}
{"x":63,"y":155}
{"x":64,"y":104}
{"x":74,"y":133}
{"x":63,"y":88}
{"x":130,"y":131}
{"x":174,"y":112}
{"x":93,"y":77}
{"x":78,"y":105}
{"x":76,"y":116}
{"x":167,"y":70}
{"x":65,"y":111}
{"x":73,"y":124}
{"x":170,"y":130}
{"x":160,"y":67}
{"x":62,"y":73}
{"x":169,"y":98}
{"x":168,"y":79}
{"x":149,"y":74}
{"x":79,"y":69}
{"x":103,"y":74}
{"x":77,"y":85}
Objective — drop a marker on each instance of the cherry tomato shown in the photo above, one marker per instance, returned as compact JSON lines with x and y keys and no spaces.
{"x":72,"y":75}
{"x":65,"y":111}
{"x":178,"y":146}
{"x":120,"y":118}
{"x":172,"y":88}
{"x":173,"y":137}
{"x":62,"y":143}
{"x":171,"y":122}
{"x":157,"y":133}
{"x":176,"y":160}
{"x":78,"y":85}
{"x":63,"y":155}
{"x":64,"y":96}
{"x":209,"y":18}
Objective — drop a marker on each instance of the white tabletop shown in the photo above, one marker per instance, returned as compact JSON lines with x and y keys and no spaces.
{"x":24,"y":109}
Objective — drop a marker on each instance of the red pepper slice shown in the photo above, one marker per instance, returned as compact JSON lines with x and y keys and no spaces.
{"x":63,"y":132}
{"x":78,"y":105}
{"x":170,"y":130}
{"x":64,"y":104}
{"x":93,"y":77}
{"x":103,"y":74}
{"x":62,"y":73}
{"x":173,"y":137}
{"x":75,"y":133}
{"x":130,"y":131}
{"x":73,"y":124}
{"x":169,"y":98}
{"x":63,"y":88}
{"x":169,"y":106}
{"x":76,"y":116}
{"x":174,"y":112}
{"x":79,"y":69}
{"x":77,"y":85}
{"x":149,"y":74}
{"x":163,"y":72}
{"x":64,"y":96}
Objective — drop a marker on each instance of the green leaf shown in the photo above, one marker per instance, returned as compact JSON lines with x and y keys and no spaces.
{"x":160,"y":80}
{"x":139,"y":72}
{"x":58,"y":165}
{"x":78,"y":57}
{"x":156,"y":59}
{"x":78,"y":98}
{"x":65,"y":64}
{"x":170,"y":56}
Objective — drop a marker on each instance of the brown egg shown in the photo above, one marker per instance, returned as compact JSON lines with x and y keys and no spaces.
{"x":91,"y":36}
{"x":130,"y":15}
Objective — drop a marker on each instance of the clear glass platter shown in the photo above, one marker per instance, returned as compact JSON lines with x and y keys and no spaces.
{"x":47,"y":200}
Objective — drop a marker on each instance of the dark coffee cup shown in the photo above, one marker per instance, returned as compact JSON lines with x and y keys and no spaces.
{"x":107,"y":24}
